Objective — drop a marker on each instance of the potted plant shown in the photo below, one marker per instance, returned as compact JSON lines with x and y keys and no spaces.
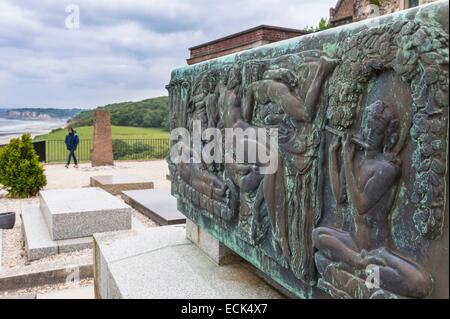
{"x":7,"y":220}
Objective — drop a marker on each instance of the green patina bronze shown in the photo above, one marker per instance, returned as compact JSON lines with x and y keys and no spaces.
{"x":357,"y":205}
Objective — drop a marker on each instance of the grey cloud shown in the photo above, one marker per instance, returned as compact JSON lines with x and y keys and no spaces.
{"x":124,"y":50}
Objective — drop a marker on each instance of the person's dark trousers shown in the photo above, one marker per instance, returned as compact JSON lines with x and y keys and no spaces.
{"x":72,"y":154}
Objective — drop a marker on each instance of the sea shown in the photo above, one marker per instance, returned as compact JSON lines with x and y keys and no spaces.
{"x":14,"y":128}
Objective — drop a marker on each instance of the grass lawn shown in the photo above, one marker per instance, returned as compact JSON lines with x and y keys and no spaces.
{"x":129,"y":143}
{"x":118,"y":132}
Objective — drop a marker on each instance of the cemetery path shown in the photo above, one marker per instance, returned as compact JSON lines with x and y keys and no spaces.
{"x":82,"y":290}
{"x":60,"y":177}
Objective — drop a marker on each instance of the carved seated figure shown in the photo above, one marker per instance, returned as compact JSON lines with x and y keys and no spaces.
{"x":371,"y":177}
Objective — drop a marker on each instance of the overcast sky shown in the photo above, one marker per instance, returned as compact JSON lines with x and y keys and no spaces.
{"x":123,"y":50}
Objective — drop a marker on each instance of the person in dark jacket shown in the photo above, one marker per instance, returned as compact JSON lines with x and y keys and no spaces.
{"x":72,"y":141}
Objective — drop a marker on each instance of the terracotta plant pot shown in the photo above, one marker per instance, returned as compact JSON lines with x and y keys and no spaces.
{"x":7,"y":220}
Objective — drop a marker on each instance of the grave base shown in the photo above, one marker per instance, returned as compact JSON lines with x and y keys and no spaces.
{"x":161,"y":263}
{"x":80,"y":212}
{"x":215,"y":250}
{"x":38,"y":242}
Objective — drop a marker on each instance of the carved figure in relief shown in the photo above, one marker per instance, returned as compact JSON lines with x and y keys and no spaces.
{"x":196,"y":174}
{"x":205,"y":101}
{"x":371,"y":176}
{"x":203,"y":181}
{"x":296,"y":95}
{"x":278,"y":87}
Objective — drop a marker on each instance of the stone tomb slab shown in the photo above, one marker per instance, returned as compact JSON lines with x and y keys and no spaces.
{"x":157,"y":204}
{"x":115,"y":184}
{"x":81,"y":212}
{"x":38,"y":243}
{"x":161,"y":263}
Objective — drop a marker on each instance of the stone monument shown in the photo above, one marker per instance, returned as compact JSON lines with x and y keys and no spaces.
{"x":102,"y":152}
{"x":66,"y":219}
{"x":161,"y":263}
{"x":357,"y":205}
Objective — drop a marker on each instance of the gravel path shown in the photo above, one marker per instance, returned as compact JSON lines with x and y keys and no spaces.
{"x":46,"y":289}
{"x":59,"y":177}
{"x":13,"y":252}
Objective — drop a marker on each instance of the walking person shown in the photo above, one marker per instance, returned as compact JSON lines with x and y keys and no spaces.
{"x":72,"y":141}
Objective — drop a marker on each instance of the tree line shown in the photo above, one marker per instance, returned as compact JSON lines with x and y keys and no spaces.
{"x":152,"y":112}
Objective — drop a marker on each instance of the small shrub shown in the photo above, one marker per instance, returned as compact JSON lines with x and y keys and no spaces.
{"x":123,"y":150}
{"x":120,"y":149}
{"x":323,"y":25}
{"x":21,"y":174}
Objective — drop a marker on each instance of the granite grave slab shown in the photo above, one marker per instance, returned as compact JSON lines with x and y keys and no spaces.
{"x":161,"y":263}
{"x":157,"y":204}
{"x":115,"y":184}
{"x":39,"y":244}
{"x":80,"y":212}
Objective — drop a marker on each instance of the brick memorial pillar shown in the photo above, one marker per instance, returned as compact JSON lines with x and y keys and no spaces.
{"x":102,"y":153}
